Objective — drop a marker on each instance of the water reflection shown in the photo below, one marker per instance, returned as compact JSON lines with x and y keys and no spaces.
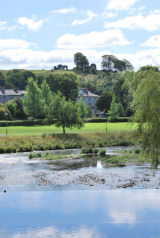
{"x":99,"y":164}
{"x":77,"y":214}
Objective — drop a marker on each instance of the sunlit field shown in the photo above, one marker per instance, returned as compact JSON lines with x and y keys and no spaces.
{"x":88,"y":128}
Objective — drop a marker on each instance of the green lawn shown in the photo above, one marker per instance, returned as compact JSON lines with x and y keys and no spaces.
{"x":89,"y":127}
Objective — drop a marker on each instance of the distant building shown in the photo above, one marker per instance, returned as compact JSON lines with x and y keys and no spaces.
{"x":9,"y":94}
{"x":89,"y":99}
{"x":61,"y":67}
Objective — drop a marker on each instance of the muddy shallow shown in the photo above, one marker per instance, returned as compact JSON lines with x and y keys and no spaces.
{"x":17,"y":172}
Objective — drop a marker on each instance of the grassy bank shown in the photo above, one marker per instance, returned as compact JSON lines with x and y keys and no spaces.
{"x":88,"y":128}
{"x":19,"y":143}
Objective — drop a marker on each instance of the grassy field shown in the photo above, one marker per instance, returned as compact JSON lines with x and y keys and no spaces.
{"x":88,"y":128}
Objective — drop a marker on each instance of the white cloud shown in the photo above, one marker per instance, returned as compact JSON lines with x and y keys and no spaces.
{"x":143,"y":57}
{"x":31,"y":24}
{"x":92,"y":40}
{"x":3,"y":25}
{"x":14,"y":44}
{"x":12,"y":56}
{"x":153,"y":42}
{"x":64,"y":10}
{"x":90,"y":16}
{"x":120,"y":4}
{"x":109,"y":14}
{"x":150,"y":22}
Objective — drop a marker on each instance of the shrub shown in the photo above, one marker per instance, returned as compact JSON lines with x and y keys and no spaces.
{"x":102,"y":153}
{"x":137,"y":151}
{"x":95,"y":151}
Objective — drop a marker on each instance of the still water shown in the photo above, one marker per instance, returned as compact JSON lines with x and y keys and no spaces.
{"x":77,"y":198}
{"x":80,"y":214}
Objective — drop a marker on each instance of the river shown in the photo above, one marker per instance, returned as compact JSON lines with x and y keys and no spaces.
{"x":77,"y":198}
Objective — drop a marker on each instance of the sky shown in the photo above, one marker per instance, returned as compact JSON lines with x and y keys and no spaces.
{"x":39,"y":34}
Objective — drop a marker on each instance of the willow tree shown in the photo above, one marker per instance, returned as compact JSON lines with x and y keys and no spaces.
{"x":146,"y":101}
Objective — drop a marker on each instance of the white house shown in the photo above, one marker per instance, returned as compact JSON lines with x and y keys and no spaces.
{"x":9,"y":94}
{"x":89,"y":99}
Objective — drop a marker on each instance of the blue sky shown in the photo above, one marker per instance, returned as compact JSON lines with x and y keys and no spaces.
{"x":40,"y":34}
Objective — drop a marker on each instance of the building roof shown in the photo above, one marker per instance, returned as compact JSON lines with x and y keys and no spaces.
{"x":11,"y":92}
{"x":86,"y":93}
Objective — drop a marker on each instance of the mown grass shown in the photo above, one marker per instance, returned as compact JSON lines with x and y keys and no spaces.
{"x":19,"y":143}
{"x":88,"y":128}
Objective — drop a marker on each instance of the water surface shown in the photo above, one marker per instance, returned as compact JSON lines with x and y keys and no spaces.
{"x":77,"y":198}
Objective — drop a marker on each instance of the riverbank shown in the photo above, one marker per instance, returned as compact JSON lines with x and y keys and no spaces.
{"x":22,"y":143}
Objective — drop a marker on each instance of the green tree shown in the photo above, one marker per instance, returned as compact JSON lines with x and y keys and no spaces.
{"x":16,"y":108}
{"x":93,"y":69}
{"x":47,"y":98}
{"x":2,"y":80}
{"x":122,"y":95}
{"x":108,"y":63}
{"x":66,"y":114}
{"x":4,"y":113}
{"x":89,"y":112}
{"x":113,"y":111}
{"x":104,"y":102}
{"x":18,"y":79}
{"x":81,"y":62}
{"x":33,"y":105}
{"x":146,"y":101}
{"x":66,"y":83}
{"x":83,"y":109}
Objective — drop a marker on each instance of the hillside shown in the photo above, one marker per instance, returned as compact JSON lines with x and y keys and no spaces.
{"x":96,"y":83}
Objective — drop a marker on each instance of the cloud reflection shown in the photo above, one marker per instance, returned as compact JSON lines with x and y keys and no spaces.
{"x":50,"y":232}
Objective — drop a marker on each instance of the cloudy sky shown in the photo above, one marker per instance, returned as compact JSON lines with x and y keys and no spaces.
{"x":36,"y":34}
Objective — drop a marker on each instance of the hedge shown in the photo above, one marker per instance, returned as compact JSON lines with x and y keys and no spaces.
{"x":97,"y":119}
{"x":45,"y":122}
{"x":26,"y":122}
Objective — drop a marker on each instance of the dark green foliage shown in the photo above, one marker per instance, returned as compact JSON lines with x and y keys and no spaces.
{"x":102,"y":153}
{"x":18,"y":79}
{"x":93,"y":69}
{"x":35,"y":155}
{"x":104,"y":102}
{"x":4,"y":113}
{"x":2,"y":80}
{"x":89,"y":151}
{"x":122,"y":95}
{"x":16,"y":108}
{"x":81,"y":62}
{"x":111,"y":64}
{"x":137,"y":151}
{"x":66,"y":83}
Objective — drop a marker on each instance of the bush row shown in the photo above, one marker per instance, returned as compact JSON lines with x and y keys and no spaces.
{"x":26,"y":122}
{"x":45,"y":122}
{"x":97,"y":119}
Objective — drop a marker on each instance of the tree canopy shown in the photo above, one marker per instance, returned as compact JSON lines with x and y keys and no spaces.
{"x":18,"y":79}
{"x":66,"y":114}
{"x":66,"y":83}
{"x":146,"y":101}
{"x":104,"y":102}
{"x":81,"y":62}
{"x":33,"y":104}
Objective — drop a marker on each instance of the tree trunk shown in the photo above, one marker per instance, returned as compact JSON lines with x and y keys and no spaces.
{"x":154,"y":160}
{"x":64,"y":131}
